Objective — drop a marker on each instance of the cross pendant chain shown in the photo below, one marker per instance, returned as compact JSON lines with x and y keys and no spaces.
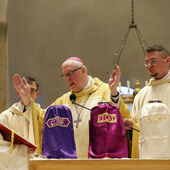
{"x":79,"y":111}
{"x":78,"y":120}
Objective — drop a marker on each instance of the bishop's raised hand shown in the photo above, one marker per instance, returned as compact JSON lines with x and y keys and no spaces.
{"x":114,"y":81}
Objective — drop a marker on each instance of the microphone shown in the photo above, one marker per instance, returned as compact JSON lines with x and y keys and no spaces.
{"x":73,"y":98}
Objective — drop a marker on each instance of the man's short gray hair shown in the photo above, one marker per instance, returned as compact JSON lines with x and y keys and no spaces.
{"x":160,"y":48}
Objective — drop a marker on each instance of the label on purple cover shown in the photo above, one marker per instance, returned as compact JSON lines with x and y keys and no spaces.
{"x":106,"y":117}
{"x":58,"y":121}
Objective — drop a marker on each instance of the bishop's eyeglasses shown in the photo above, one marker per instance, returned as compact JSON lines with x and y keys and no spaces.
{"x":71,"y":72}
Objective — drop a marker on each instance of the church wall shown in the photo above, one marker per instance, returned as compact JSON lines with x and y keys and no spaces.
{"x":43,"y":33}
{"x":3,"y":55}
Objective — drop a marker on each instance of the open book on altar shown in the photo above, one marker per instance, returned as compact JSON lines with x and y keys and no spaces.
{"x":18,"y":139}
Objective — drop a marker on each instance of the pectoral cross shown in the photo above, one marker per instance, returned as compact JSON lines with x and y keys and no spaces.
{"x":77,"y":121}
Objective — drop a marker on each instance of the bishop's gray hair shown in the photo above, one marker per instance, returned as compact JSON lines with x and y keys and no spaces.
{"x":75,"y":63}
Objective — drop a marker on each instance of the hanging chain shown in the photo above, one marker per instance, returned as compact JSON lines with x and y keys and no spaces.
{"x":133,"y":17}
{"x":119,"y":52}
{"x":141,"y":40}
{"x":121,"y":48}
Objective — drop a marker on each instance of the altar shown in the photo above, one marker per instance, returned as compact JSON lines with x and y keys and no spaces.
{"x":98,"y":164}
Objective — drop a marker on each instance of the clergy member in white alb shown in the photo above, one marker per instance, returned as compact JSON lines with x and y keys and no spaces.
{"x":157,"y":62}
{"x":26,"y":125}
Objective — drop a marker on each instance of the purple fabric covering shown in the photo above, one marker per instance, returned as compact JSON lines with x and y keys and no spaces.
{"x":107,"y":133}
{"x":58,"y":133}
